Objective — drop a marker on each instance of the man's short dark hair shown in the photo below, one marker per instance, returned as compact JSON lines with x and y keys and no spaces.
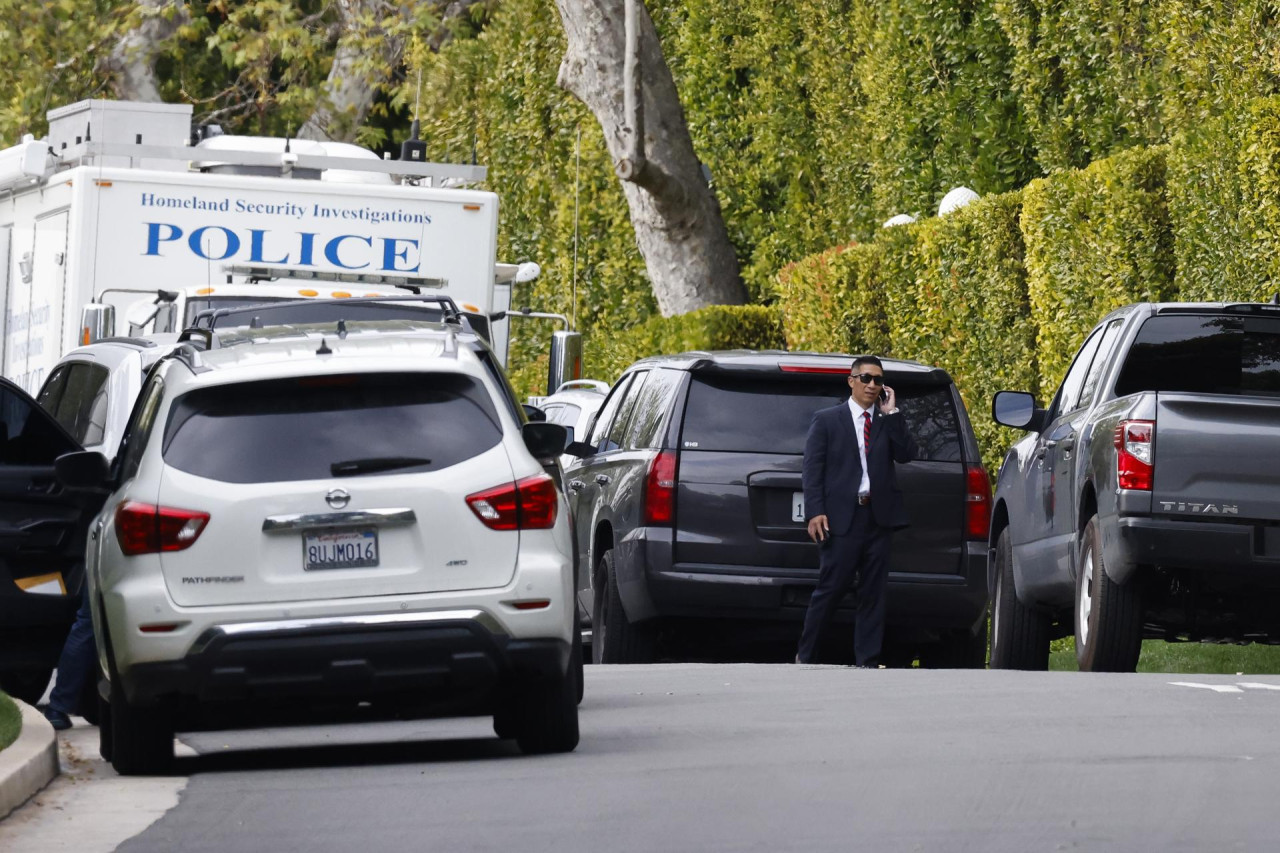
{"x":863,"y":360}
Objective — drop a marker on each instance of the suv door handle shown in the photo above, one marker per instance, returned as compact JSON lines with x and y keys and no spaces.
{"x":602,"y":479}
{"x":577,"y":485}
{"x":42,"y":486}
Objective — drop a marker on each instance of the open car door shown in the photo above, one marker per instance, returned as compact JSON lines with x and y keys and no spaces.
{"x":42,"y":543}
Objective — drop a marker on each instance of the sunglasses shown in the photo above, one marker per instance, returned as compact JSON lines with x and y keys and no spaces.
{"x":868,"y":378}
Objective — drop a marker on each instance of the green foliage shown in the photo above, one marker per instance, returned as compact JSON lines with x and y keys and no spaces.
{"x":1097,"y":77}
{"x":1096,"y":239}
{"x":47,"y":51}
{"x":831,"y":302}
{"x":10,"y":721}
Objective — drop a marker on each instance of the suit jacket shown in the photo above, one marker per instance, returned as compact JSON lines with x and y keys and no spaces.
{"x":833,"y":469}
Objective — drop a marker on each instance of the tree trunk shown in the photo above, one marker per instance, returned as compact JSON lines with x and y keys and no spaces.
{"x":348,"y":93}
{"x":132,"y":60}
{"x":675,"y":215}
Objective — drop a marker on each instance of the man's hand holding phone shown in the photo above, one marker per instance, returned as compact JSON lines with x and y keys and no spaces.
{"x":888,"y":400}
{"x":818,"y":528}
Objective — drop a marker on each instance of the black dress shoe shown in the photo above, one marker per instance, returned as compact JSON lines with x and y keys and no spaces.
{"x":60,"y":721}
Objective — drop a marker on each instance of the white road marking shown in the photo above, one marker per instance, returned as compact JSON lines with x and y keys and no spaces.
{"x":1258,"y":685}
{"x":1216,"y":688}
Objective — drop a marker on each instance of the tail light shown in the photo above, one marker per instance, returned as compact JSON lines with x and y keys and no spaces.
{"x":977,"y":503}
{"x":528,"y":504}
{"x":1135,"y":456}
{"x":660,"y":489}
{"x":146,"y":529}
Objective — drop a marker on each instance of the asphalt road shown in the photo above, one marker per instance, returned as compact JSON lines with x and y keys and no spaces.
{"x":769,"y":758}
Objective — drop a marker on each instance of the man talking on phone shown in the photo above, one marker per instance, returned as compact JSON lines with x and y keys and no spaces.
{"x":853,"y":505}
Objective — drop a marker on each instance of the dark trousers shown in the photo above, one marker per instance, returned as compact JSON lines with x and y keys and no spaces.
{"x":858,"y":559}
{"x":76,"y":663}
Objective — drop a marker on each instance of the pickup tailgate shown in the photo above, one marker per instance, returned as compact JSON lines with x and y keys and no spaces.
{"x":1217,"y":456}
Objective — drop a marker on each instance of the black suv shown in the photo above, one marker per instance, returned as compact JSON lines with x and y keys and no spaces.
{"x":689,"y":507}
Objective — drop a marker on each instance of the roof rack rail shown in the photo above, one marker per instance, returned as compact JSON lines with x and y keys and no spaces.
{"x":210,"y":319}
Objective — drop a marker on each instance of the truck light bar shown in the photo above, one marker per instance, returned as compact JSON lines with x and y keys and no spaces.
{"x":268,"y":272}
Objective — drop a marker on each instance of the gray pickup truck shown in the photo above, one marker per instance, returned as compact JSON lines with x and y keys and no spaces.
{"x":1144,"y":502}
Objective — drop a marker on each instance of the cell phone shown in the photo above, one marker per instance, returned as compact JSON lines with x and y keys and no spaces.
{"x":884,"y":396}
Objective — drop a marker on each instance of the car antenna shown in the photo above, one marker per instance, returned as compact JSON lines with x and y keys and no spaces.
{"x":324,"y":348}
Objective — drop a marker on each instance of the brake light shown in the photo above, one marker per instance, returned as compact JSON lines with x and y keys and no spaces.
{"x":146,"y":529}
{"x":1135,"y":454}
{"x":977,"y":503}
{"x":812,"y":368}
{"x":660,"y":489}
{"x":529,"y":504}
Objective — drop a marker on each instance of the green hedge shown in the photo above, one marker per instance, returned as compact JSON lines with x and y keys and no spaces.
{"x":1224,"y":200}
{"x":10,"y":721}
{"x":1096,"y":239}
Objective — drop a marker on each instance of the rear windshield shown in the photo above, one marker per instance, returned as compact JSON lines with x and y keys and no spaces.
{"x":299,"y":429}
{"x":1204,"y":355}
{"x":756,"y":415}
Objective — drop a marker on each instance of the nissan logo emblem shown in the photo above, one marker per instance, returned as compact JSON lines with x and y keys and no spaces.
{"x":337,"y":498}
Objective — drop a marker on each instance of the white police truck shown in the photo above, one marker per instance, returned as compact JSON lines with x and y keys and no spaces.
{"x":124,"y":220}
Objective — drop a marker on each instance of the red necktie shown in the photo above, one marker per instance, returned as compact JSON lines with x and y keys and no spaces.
{"x":866,"y":432}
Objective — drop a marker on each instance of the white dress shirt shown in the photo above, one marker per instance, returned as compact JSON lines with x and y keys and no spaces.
{"x":864,"y":488}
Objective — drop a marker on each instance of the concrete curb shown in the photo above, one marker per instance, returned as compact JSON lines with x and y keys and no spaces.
{"x":30,"y":762}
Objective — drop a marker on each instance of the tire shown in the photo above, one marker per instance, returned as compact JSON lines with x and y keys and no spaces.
{"x":26,"y":684}
{"x":1019,"y":635}
{"x":615,"y":639}
{"x":961,"y":649}
{"x":545,"y":715}
{"x":141,"y":738}
{"x":504,"y":721}
{"x":1108,"y":615}
{"x":88,"y":707}
{"x":105,"y":729}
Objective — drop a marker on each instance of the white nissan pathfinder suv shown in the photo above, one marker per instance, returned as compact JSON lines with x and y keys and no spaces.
{"x":334,"y":520}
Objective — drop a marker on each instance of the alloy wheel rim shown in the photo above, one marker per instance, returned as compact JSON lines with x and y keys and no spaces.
{"x":1085,"y":600}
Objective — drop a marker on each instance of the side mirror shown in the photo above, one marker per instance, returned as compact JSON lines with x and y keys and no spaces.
{"x":97,"y":321}
{"x":1016,"y":409}
{"x":568,"y":436}
{"x":84,"y":469}
{"x":580,"y":449}
{"x":534,"y":414}
{"x":544,"y":440}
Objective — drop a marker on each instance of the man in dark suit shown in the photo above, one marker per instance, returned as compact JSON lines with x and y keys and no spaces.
{"x":853,"y":505}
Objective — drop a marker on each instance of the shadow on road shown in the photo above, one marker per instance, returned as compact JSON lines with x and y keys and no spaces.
{"x":347,"y":755}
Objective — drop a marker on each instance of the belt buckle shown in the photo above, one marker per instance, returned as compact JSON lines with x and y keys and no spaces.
{"x":864,"y":500}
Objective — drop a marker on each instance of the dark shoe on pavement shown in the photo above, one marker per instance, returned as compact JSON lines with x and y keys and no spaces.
{"x":60,"y":721}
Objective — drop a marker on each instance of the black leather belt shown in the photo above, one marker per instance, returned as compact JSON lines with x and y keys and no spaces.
{"x":863,"y":500}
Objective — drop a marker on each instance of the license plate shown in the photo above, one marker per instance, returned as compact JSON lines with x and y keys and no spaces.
{"x":340,"y":549}
{"x":797,"y":506}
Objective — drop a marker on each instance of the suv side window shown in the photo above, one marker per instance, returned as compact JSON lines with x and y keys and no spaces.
{"x":604,"y":418}
{"x":1070,"y":390}
{"x":505,"y":391}
{"x":141,"y":423}
{"x":26,"y":436}
{"x":652,"y":402}
{"x":1101,"y":360}
{"x":81,"y":405}
{"x":50,"y":394}
{"x":618,"y":432}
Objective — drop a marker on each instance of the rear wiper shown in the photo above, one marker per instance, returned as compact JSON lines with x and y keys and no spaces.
{"x":374,"y":464}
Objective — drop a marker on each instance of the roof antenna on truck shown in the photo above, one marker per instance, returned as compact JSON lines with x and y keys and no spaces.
{"x":414,"y":148}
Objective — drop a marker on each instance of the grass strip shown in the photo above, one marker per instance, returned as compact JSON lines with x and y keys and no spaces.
{"x":1187,"y":658}
{"x":10,"y":721}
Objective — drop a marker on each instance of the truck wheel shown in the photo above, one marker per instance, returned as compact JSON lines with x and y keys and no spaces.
{"x":105,"y":731}
{"x":141,"y":738}
{"x":1019,"y":635}
{"x":615,"y":639}
{"x":545,"y":715}
{"x":1108,"y":614}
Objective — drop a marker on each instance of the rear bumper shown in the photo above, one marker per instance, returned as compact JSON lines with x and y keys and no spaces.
{"x":926,"y":601}
{"x":1198,"y":546}
{"x":448,"y":656}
